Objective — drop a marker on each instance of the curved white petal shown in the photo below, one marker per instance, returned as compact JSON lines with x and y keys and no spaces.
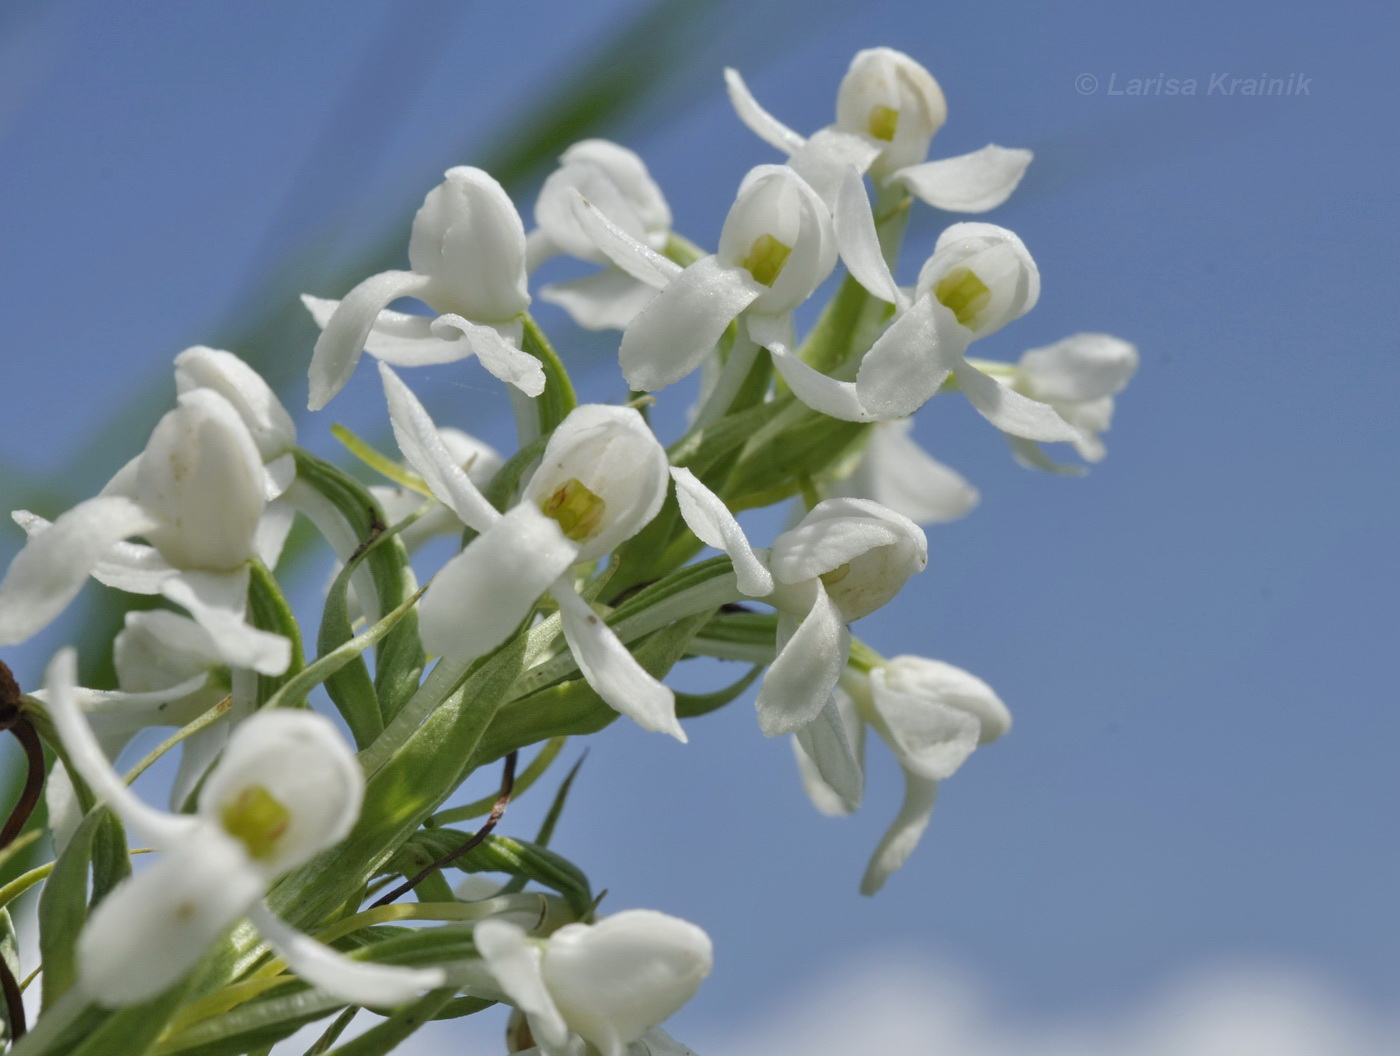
{"x":902,"y":836}
{"x":946,"y":684}
{"x":515,"y":963}
{"x":609,"y":300}
{"x":681,"y":325}
{"x":92,"y":765}
{"x":836,"y":399}
{"x":271,"y":533}
{"x":763,"y":124}
{"x":969,"y":183}
{"x":358,"y":982}
{"x":611,"y":669}
{"x":53,"y":565}
{"x":629,"y":174}
{"x":797,"y":684}
{"x":267,"y":420}
{"x":133,"y":567}
{"x":910,"y":360}
{"x":828,"y":154}
{"x":298,"y":758}
{"x":859,"y":245}
{"x":828,"y":751}
{"x":153,"y":928}
{"x":477,"y":599}
{"x":896,"y":472}
{"x":929,"y":737}
{"x":1011,"y":412}
{"x":1080,"y":368}
{"x":426,"y":451}
{"x":501,"y":359}
{"x":635,"y":258}
{"x":348,"y":329}
{"x":841,"y":532}
{"x":709,"y":518}
{"x":615,"y":979}
{"x":218,"y":603}
{"x":400,"y":338}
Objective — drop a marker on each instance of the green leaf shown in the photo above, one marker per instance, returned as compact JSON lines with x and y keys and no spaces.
{"x":63,"y":908}
{"x":558,"y":398}
{"x":111,"y":858}
{"x":9,"y":954}
{"x":132,"y":1031}
{"x":385,"y":1036}
{"x":689,"y":705}
{"x":268,"y":611}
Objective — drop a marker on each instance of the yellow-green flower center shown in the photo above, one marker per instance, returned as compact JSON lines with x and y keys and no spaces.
{"x":256,"y":819}
{"x":884,"y":122}
{"x":836,"y":575}
{"x":578,"y":511}
{"x":766,"y":259}
{"x":963,"y":292}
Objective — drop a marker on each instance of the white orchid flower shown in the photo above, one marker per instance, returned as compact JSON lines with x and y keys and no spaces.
{"x":286,"y":788}
{"x":467,"y":255}
{"x":979,"y":278}
{"x":887,"y":111}
{"x":844,"y":560}
{"x":616,"y":182}
{"x":1079,"y":377}
{"x":478,"y":459}
{"x":893,"y":470}
{"x":197,"y":495}
{"x":776,"y":247}
{"x":602,"y":478}
{"x":609,"y":982}
{"x":931,"y":715}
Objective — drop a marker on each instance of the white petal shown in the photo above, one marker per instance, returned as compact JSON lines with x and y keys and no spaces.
{"x":1011,"y":412}
{"x":1031,"y":455}
{"x":835,"y":532}
{"x":836,"y":399}
{"x":828,"y":154}
{"x":635,"y":258}
{"x":903,"y":835}
{"x":400,"y":338}
{"x":910,"y":360}
{"x":935,"y":680}
{"x":1079,"y":369}
{"x":763,"y":124}
{"x":217,"y":602}
{"x":91,"y":762}
{"x":896,"y":472}
{"x":298,"y":758}
{"x":155,"y":927}
{"x":615,"y":979}
{"x":969,"y":183}
{"x":426,"y":451}
{"x":267,"y":420}
{"x":799,"y":681}
{"x":348,"y":329}
{"x":271,"y":534}
{"x":681,"y":325}
{"x":477,"y":599}
{"x":516,"y":965}
{"x":828,"y":751}
{"x":502,"y":359}
{"x":612,"y":670}
{"x":609,"y":300}
{"x":854,"y":224}
{"x":709,"y":518}
{"x":928,"y":737}
{"x":629,"y":174}
{"x":54,"y":564}
{"x":358,"y":982}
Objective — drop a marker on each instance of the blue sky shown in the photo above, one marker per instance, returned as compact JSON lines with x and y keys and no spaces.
{"x":1196,"y":639}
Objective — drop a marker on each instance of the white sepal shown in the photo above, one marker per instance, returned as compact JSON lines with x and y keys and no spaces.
{"x":829,"y":752}
{"x":969,"y":183}
{"x":515,"y":963}
{"x":896,"y":472}
{"x":709,"y":518}
{"x":763,"y":124}
{"x":904,"y":833}
{"x":811,"y":656}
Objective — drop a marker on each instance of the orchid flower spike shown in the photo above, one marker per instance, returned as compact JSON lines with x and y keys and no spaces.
{"x":776,"y":247}
{"x":286,"y":788}
{"x":844,"y":560}
{"x":609,"y":982}
{"x":893,"y":470}
{"x":931,"y":715}
{"x":467,"y":255}
{"x":1079,"y":377}
{"x":602,"y":478}
{"x":887,"y":111}
{"x":980,"y":278}
{"x":616,"y":182}
{"x":198,"y":493}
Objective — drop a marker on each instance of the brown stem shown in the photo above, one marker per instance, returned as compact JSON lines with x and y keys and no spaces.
{"x":33,"y":781}
{"x":507,"y":783}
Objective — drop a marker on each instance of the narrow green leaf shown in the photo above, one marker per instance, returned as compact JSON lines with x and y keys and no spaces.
{"x":689,"y":705}
{"x":333,"y":1032}
{"x":558,"y":399}
{"x":63,"y":908}
{"x":132,"y":1031}
{"x":385,"y":1036}
{"x":268,"y":611}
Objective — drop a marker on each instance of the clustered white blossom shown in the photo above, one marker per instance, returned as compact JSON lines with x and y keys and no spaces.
{"x":570,"y":596}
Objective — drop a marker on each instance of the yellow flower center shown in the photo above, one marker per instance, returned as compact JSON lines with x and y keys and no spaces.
{"x":963,"y":292}
{"x":766,"y":259}
{"x":884,"y":122}
{"x":836,"y":575}
{"x":578,"y":511}
{"x":256,"y":819}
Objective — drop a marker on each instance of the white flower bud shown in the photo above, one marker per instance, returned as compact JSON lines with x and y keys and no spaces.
{"x":470,"y":241}
{"x":983,"y":274}
{"x":889,"y":97}
{"x":779,"y":231}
